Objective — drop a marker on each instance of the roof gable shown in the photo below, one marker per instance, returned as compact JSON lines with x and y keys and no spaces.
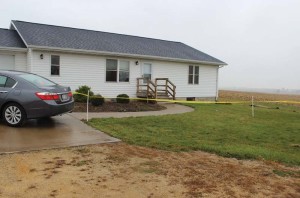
{"x":42,"y":35}
{"x":10,"y":38}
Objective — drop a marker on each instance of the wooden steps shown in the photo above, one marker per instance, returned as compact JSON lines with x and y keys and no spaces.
{"x":161,"y":89}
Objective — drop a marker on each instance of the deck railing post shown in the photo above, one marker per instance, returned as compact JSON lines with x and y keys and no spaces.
{"x":174,"y":92}
{"x":166,"y":91}
{"x":138,"y":85}
{"x":155,"y":89}
{"x":148,"y":87}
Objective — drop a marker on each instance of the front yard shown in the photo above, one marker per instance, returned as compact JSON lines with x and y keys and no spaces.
{"x":227,"y":130}
{"x":123,"y":170}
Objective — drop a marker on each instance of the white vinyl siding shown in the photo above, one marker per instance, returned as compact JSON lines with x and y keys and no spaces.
{"x":21,"y":62}
{"x":29,"y":60}
{"x":13,"y":61}
{"x":79,"y":69}
{"x":7,"y":62}
{"x":177,"y":73}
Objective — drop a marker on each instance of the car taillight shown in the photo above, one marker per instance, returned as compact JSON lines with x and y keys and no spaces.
{"x":70,"y":94}
{"x":47,"y":96}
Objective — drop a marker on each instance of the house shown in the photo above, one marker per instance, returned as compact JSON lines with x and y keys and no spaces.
{"x":109,"y":63}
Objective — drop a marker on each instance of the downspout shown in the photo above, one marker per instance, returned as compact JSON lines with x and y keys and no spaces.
{"x":217,"y":84}
{"x":29,"y":60}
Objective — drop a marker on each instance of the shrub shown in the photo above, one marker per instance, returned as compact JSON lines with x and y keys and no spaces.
{"x":84,"y":90}
{"x":97,"y":100}
{"x":123,"y":98}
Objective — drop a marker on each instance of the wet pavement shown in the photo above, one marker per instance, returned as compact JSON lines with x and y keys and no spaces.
{"x":56,"y":132}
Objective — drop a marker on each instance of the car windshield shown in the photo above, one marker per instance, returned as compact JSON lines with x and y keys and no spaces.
{"x":37,"y":80}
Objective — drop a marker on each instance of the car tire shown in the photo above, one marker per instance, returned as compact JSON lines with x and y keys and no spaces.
{"x":13,"y":114}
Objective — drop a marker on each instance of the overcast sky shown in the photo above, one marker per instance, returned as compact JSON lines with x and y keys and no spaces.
{"x":258,"y":39}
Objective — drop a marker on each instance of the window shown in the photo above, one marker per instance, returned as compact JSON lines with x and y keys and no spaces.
{"x":117,"y":71}
{"x":10,"y":83}
{"x":111,"y":70}
{"x":2,"y":81}
{"x":193,"y":75}
{"x":55,"y":65}
{"x":124,"y":71}
{"x":7,"y":82}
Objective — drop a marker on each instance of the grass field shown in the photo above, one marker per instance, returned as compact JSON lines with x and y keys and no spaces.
{"x":227,"y":130}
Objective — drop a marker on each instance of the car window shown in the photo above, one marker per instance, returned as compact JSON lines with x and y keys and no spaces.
{"x":37,"y":80}
{"x":10,"y":82}
{"x":3,"y":81}
{"x":7,"y":82}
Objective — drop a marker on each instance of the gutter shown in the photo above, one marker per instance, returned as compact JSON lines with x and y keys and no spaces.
{"x":13,"y":49}
{"x":81,"y":51}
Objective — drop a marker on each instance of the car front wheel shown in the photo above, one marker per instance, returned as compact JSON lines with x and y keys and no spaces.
{"x":13,"y":114}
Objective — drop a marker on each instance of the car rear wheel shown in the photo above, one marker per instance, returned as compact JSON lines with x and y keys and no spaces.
{"x":13,"y":114}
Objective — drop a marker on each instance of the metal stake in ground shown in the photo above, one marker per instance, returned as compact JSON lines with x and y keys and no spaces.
{"x":252,"y":107}
{"x":87,"y":105}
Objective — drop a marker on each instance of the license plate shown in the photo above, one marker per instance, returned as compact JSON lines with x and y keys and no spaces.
{"x":64,"y":97}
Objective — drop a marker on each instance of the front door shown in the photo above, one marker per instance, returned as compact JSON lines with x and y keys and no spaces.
{"x":147,"y":71}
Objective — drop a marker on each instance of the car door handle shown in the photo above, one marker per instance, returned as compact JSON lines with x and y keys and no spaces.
{"x":3,"y":92}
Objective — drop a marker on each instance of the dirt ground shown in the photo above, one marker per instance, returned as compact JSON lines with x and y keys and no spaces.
{"x":246,"y":96}
{"x":121,"y":170}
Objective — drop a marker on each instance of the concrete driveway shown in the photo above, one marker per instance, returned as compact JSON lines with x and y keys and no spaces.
{"x":56,"y":132}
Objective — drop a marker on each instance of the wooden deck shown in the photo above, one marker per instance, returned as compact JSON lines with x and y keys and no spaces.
{"x":160,"y":88}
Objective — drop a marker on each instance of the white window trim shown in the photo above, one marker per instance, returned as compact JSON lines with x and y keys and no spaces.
{"x":55,"y":65}
{"x":194,"y":74}
{"x":118,"y":71}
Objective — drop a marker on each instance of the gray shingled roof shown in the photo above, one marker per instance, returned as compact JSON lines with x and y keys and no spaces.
{"x":64,"y":37}
{"x":10,"y":38}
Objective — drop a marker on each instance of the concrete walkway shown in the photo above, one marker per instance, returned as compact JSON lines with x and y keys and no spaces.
{"x":171,"y":109}
{"x":56,"y":132}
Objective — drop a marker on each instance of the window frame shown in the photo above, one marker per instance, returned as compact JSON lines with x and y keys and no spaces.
{"x":55,"y":65}
{"x":111,"y":70}
{"x":5,"y":79}
{"x":118,"y":71}
{"x":194,"y":75}
{"x":5,"y":86}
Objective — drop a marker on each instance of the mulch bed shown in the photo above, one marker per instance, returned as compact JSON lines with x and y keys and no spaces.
{"x":118,"y":107}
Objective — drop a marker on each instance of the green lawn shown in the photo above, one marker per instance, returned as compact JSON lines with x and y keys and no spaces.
{"x":228,"y":130}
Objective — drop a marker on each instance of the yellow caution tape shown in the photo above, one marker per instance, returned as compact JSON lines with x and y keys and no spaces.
{"x":191,"y":102}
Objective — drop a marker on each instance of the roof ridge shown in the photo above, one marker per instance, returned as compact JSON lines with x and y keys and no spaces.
{"x":97,"y":31}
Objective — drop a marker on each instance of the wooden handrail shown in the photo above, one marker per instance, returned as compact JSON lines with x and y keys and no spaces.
{"x":171,"y":84}
{"x":151,"y":90}
{"x":162,"y":78}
